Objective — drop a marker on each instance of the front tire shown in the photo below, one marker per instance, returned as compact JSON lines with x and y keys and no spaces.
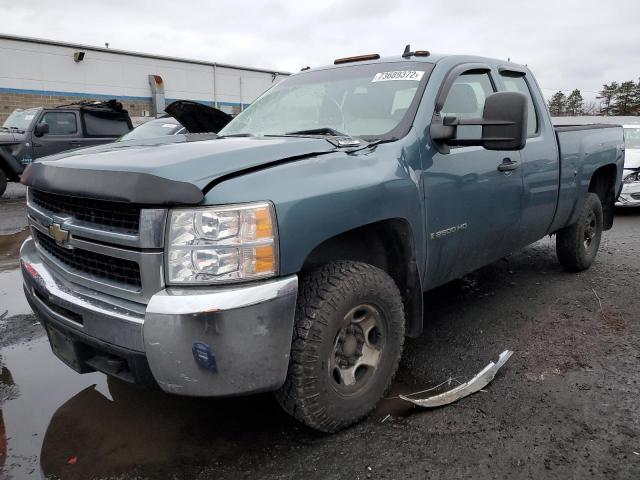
{"x":577,"y":245}
{"x":347,"y":343}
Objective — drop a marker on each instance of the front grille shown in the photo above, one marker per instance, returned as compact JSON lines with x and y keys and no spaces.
{"x":635,"y":196}
{"x":102,"y":212}
{"x":105,"y":267}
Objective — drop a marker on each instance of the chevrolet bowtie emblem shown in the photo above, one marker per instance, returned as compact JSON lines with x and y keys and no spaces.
{"x":59,"y":234}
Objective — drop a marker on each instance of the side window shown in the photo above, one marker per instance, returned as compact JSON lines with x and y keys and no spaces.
{"x":519,"y":84}
{"x":466,"y":100}
{"x":60,"y":123}
{"x":97,"y":125}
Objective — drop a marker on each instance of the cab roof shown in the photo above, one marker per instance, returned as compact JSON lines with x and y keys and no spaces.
{"x":432,"y":58}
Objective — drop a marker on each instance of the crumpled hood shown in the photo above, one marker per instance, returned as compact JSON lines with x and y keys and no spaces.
{"x":143,"y":174}
{"x":632,"y":158}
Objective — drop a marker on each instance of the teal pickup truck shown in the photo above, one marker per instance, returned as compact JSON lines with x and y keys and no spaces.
{"x":291,"y":252}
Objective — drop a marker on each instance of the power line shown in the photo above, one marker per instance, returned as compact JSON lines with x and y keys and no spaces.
{"x":568,"y":90}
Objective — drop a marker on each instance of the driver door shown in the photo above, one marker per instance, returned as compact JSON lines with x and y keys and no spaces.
{"x":472,"y":208}
{"x":64,"y":133}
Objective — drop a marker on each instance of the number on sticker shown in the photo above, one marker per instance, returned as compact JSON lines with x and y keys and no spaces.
{"x":415,"y":75}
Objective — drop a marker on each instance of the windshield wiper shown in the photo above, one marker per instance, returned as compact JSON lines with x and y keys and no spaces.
{"x":319,"y":131}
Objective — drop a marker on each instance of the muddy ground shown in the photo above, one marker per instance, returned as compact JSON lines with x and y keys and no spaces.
{"x":567,"y":404}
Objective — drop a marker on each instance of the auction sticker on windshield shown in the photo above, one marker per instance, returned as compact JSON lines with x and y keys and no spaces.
{"x":415,"y":75}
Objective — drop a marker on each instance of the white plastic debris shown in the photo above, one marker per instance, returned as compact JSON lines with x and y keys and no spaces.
{"x":474,"y":385}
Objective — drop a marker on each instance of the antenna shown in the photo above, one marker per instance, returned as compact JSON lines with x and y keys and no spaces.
{"x":418,"y":53}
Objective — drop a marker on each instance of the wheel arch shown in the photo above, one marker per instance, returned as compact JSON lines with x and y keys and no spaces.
{"x":386,"y":244}
{"x":603,"y":184}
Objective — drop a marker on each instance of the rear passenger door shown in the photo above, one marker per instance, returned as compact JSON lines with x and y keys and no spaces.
{"x":539,"y":159}
{"x":64,"y":133}
{"x":472,"y":209}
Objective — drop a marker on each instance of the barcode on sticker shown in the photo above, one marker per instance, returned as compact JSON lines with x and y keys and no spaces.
{"x":415,"y":75}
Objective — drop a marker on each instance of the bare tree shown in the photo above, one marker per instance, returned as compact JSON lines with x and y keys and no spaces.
{"x":590,"y":108}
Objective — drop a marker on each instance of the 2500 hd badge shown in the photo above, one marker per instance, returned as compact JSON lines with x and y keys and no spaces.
{"x":448,"y":231}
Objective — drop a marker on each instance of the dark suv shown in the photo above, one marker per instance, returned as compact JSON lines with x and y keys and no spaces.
{"x":38,"y":132}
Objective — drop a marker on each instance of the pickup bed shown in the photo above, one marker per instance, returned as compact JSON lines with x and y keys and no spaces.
{"x":291,"y":253}
{"x":38,"y":132}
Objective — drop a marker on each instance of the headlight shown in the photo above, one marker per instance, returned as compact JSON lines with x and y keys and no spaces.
{"x":221,"y":244}
{"x":633,"y":177}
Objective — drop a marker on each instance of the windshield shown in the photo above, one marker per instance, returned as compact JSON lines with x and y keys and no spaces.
{"x":153,"y":129}
{"x":632,"y":137}
{"x":20,"y":119}
{"x":373,"y":101}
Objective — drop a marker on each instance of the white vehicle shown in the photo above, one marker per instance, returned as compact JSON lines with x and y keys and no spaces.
{"x":630,"y":195}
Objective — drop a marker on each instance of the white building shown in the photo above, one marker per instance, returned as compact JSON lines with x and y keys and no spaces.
{"x":36,"y":72}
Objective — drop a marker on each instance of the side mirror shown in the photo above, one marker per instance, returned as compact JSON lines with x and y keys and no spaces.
{"x":41,"y":129}
{"x":505,"y":121}
{"x":504,"y":125}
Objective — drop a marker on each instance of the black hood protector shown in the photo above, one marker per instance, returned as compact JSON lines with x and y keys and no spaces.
{"x":134,"y":187}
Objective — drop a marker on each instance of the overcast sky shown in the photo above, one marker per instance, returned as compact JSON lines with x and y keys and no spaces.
{"x":568,"y":43}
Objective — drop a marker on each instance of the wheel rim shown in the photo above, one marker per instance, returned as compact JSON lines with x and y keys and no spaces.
{"x":590,"y":230}
{"x":357,"y":350}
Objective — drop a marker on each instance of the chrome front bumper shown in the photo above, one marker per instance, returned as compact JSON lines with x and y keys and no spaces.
{"x":626,"y":197}
{"x":196,"y":341}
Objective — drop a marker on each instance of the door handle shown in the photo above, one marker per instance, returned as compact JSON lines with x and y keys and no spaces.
{"x":508,"y":165}
{"x":75,"y":144}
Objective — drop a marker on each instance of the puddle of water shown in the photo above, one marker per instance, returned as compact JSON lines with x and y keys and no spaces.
{"x":10,"y":249}
{"x":11,"y":296}
{"x":12,"y":299}
{"x":37,"y":383}
{"x":114,"y":428}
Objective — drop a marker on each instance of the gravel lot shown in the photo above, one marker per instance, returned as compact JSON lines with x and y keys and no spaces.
{"x":565,"y":405}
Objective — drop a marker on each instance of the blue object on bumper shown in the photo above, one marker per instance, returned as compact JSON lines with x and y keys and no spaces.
{"x":204,"y":356}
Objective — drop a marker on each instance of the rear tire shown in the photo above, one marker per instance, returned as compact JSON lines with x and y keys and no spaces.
{"x":577,"y":245}
{"x":3,"y":182}
{"x":347,"y":344}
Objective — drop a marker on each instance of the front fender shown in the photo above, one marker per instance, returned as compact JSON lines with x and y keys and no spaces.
{"x":320,"y":197}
